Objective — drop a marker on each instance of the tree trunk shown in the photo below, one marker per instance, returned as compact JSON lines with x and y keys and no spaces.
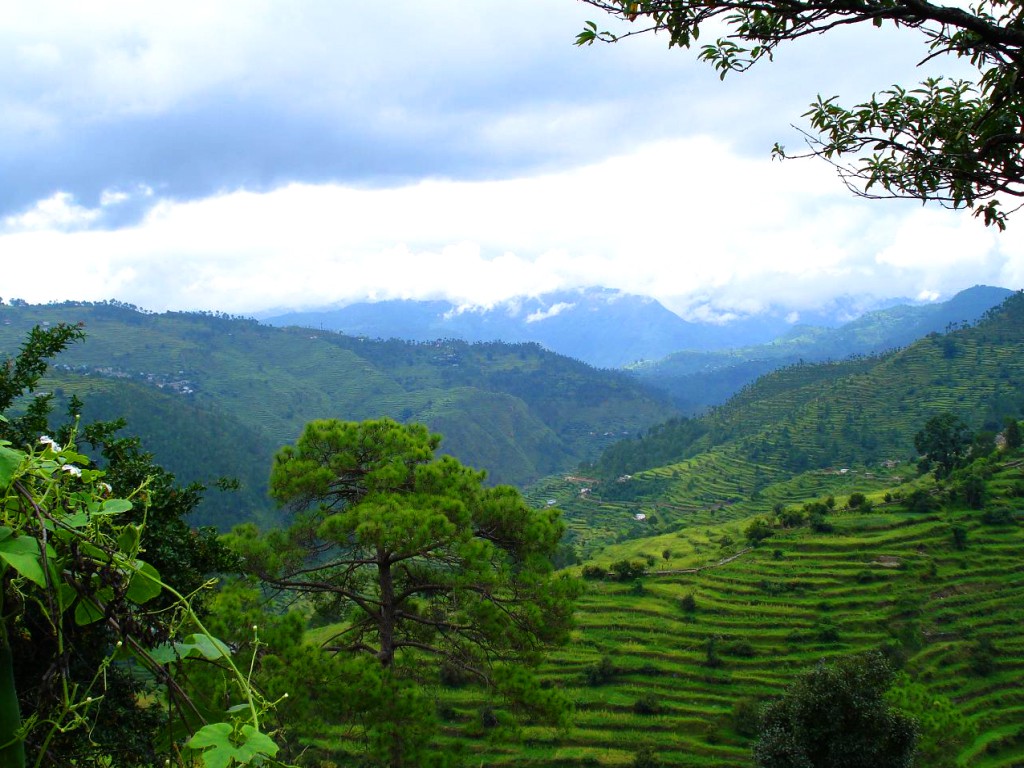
{"x":387,"y":610}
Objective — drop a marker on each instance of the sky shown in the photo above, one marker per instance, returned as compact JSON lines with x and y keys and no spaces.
{"x":245,"y":156}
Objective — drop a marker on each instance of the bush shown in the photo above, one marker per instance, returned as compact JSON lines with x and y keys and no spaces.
{"x":711,"y":657}
{"x":959,"y":537}
{"x":646,"y":758}
{"x":998,"y":516}
{"x":791,"y":518}
{"x":856,"y":500}
{"x":982,"y":657}
{"x":972,"y":489}
{"x":594,"y":572}
{"x":628,"y":570}
{"x":647,"y":705}
{"x":921,"y":502}
{"x":741,"y":648}
{"x":819,"y":524}
{"x":757,"y":531}
{"x":828,"y":633}
{"x":746,"y":717}
{"x":601,"y":672}
{"x":688,"y":603}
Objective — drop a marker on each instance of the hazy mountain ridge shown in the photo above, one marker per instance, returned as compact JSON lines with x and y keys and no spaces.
{"x":696,"y":380}
{"x":518,"y":411}
{"x":855,"y":413}
{"x":606,"y":328}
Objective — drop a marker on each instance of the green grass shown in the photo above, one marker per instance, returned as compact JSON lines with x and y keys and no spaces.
{"x":887,"y":577}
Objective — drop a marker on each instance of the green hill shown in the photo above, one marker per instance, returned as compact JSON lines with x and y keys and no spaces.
{"x":856,"y":415}
{"x":697,"y":380}
{"x":518,"y":411}
{"x":680,"y":660}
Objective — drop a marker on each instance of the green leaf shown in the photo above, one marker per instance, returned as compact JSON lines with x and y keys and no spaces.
{"x":203,"y":645}
{"x":115,"y":506}
{"x":255,"y":744}
{"x":145,"y":584}
{"x":129,"y":538}
{"x":86,"y":613}
{"x":9,"y":463}
{"x":219,"y":750}
{"x":215,"y":739}
{"x":23,"y":555}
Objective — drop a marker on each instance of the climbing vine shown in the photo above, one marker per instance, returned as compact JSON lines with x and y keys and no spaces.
{"x":70,"y":562}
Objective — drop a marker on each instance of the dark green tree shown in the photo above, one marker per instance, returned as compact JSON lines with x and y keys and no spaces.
{"x":418,"y":561}
{"x":944,"y":442}
{"x":836,"y":716}
{"x":954,"y":141}
{"x":54,"y":654}
{"x":20,"y":375}
{"x":1012,"y":434}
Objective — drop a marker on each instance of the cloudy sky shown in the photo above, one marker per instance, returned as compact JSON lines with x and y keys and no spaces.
{"x":243,"y":155}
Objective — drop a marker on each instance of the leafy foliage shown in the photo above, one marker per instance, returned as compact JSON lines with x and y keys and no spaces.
{"x":954,"y":141}
{"x":413,"y":556}
{"x":837,"y":715}
{"x":944,"y":441}
{"x":76,"y":595}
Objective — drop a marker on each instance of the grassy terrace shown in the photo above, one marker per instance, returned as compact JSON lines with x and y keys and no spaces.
{"x":676,"y":676}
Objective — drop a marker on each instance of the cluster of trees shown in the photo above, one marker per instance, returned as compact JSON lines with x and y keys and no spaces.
{"x":111,"y":632}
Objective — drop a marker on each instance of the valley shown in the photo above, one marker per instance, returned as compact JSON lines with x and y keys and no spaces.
{"x":719,"y":555}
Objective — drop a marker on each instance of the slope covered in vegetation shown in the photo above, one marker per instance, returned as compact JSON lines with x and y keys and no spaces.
{"x":680,"y":658}
{"x":517,"y":411}
{"x":859,"y":415}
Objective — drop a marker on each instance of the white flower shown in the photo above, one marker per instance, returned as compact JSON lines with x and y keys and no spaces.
{"x":49,"y":441}
{"x":72,"y":470}
{"x":105,"y":487}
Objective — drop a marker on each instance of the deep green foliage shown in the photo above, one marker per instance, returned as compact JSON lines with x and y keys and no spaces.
{"x":20,"y":375}
{"x":1012,"y":434}
{"x":602,"y":672}
{"x":758,"y":530}
{"x":659,"y":445}
{"x":416,"y":557}
{"x":944,"y":442}
{"x":836,"y":716}
{"x":628,"y":570}
{"x":193,"y":383}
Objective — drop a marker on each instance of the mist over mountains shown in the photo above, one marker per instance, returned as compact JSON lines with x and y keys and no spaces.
{"x":610,"y":329}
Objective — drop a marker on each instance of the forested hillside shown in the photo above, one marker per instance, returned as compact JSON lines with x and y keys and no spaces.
{"x":851,"y":415}
{"x":698,"y":379}
{"x":518,"y":411}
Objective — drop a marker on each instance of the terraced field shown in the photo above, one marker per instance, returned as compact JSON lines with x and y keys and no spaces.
{"x":682,"y":681}
{"x":709,"y":489}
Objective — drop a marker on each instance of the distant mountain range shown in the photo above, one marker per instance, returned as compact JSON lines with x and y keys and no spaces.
{"x":698,"y":379}
{"x":610,"y":329}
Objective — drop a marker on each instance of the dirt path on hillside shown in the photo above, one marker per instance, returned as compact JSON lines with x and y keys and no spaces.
{"x":677,"y":571}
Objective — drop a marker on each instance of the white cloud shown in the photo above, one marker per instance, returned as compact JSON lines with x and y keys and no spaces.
{"x":690,"y":222}
{"x":552,"y":311}
{"x":57,"y":212}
